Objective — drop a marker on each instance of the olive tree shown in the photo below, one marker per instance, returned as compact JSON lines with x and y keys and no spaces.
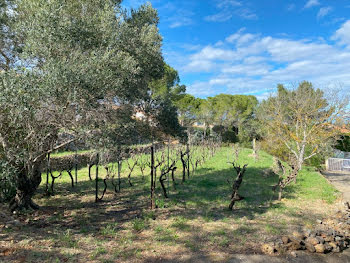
{"x":80,"y":66}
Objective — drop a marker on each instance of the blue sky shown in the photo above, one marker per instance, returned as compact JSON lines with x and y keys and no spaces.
{"x":248,"y":47}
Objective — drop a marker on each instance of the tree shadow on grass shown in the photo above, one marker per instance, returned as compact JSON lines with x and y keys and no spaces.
{"x":211,"y":191}
{"x":205,"y":196}
{"x":35,"y":255}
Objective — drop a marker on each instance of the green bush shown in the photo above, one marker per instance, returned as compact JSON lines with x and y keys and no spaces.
{"x":138,"y":224}
{"x":228,"y":135}
{"x":7,"y":182}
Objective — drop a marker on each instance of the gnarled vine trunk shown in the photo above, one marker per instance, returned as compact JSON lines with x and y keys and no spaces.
{"x":284,"y":182}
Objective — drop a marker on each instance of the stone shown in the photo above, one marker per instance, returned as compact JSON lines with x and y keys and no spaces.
{"x":285,"y":239}
{"x":320,"y":248}
{"x":328,"y":238}
{"x":294,"y":246}
{"x":268,"y":249}
{"x":309,"y":247}
{"x":338,"y":238}
{"x":308,"y":233}
{"x":312,"y":240}
{"x":327,"y":247}
{"x":294,"y":254}
{"x":312,"y":234}
{"x":281,"y":249}
{"x":333,"y":244}
{"x":336,"y":250}
{"x":298,"y":235}
{"x":320,"y":240}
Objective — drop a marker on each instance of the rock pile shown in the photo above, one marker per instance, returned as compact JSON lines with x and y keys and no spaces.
{"x":330,"y":235}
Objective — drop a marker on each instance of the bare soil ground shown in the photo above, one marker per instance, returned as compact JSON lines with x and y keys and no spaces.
{"x":341,"y":181}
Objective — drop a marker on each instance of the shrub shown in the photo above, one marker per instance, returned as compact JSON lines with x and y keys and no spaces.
{"x":7,"y":181}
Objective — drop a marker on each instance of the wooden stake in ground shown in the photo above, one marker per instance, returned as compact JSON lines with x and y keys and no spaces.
{"x":188,"y":160}
{"x":152,"y":179}
{"x":96,"y":181}
{"x":76,"y":167}
{"x":48,"y":170}
{"x":236,"y":184}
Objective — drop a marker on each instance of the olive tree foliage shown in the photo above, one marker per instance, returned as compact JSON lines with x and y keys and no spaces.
{"x":8,"y":42}
{"x":81,"y":67}
{"x":302,"y":122}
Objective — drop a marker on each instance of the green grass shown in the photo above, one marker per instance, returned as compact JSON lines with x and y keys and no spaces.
{"x":138,"y":224}
{"x":67,"y":239}
{"x":194,"y":219}
{"x":109,"y":230}
{"x":65,"y":153}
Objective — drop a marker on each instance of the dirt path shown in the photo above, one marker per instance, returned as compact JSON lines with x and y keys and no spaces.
{"x":301,"y":257}
{"x":341,"y":181}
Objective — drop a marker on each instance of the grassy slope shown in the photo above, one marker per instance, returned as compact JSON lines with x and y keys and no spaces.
{"x":210,"y":182}
{"x":193,"y":221}
{"x":60,"y":154}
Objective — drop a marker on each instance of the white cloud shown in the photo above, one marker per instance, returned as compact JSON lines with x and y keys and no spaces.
{"x":247,"y":14}
{"x":219,"y":17}
{"x":229,"y":8}
{"x":253,"y":64}
{"x":178,"y":16}
{"x":211,"y":53}
{"x":200,"y":65}
{"x":236,"y":35}
{"x":342,"y":35}
{"x":248,"y":70}
{"x":181,"y":21}
{"x":311,"y":3}
{"x":240,"y":39}
{"x":324,"y":11}
{"x":227,"y":3}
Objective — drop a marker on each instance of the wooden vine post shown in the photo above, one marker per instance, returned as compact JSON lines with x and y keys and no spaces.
{"x":183,"y":161}
{"x":152,"y":179}
{"x":119,"y":170}
{"x":188,"y":160}
{"x":96,"y":180}
{"x":168,"y":177}
{"x":48,"y":168}
{"x":76,"y":167}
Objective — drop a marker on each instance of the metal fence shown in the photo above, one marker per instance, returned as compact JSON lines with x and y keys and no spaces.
{"x":341,"y":154}
{"x":338,"y":164}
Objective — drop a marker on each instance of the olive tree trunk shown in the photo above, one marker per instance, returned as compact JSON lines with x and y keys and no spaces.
{"x":28,"y":181}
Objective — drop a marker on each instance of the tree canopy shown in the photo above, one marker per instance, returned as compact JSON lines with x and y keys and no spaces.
{"x":302,"y":120}
{"x":80,"y":67}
